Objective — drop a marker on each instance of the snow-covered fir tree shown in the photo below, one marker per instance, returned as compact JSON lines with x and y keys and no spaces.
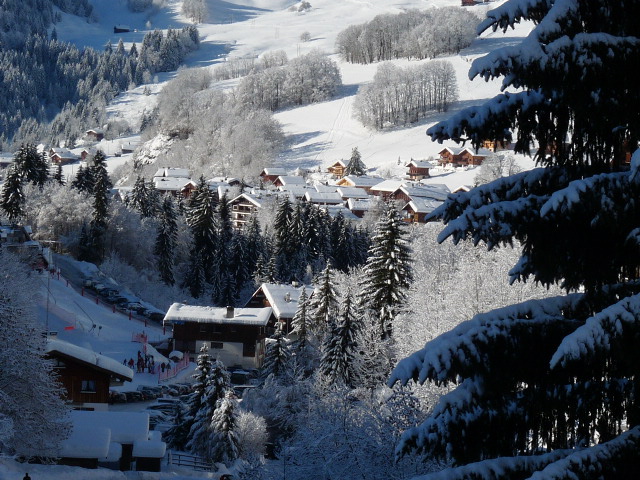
{"x":387,"y":274}
{"x":83,"y":181}
{"x":13,"y":199}
{"x":216,"y":385}
{"x":301,"y":323}
{"x":101,"y":194}
{"x":355,"y":166}
{"x":32,"y":165}
{"x":177,"y":435}
{"x":324,"y":303}
{"x":277,"y":356}
{"x":201,"y":218}
{"x":548,"y":388}
{"x":166,"y":239}
{"x":143,"y":198}
{"x":223,"y":427}
{"x":340,"y":347}
{"x":200,"y":384}
{"x":58,"y":176}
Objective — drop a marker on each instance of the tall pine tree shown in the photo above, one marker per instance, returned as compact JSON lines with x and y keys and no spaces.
{"x":387,"y":274}
{"x":341,"y":347}
{"x":166,"y":240}
{"x":549,"y":388}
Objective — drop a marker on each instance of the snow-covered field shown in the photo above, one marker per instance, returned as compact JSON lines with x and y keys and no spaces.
{"x":318,"y":134}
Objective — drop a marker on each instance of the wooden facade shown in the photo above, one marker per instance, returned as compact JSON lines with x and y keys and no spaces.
{"x":85,"y":375}
{"x":460,"y":157}
{"x":337,"y":169}
{"x":251,"y":337}
{"x":236,"y":336}
{"x":418,"y":170}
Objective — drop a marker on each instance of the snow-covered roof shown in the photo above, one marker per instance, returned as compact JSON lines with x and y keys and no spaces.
{"x":87,"y":441}
{"x":323,"y":197}
{"x":62,"y":152}
{"x":334,"y":210}
{"x":90,"y":357}
{"x":436,"y":191}
{"x":115,"y":452}
{"x":420,"y":163}
{"x":282,"y":298}
{"x":173,"y":172}
{"x":179,"y":312}
{"x":171,"y":183}
{"x":339,"y":163}
{"x":149,"y":449}
{"x":462,"y":188}
{"x":388,"y":186}
{"x":245,"y":197}
{"x":271,"y":171}
{"x":287,"y":180}
{"x":352,"y":192}
{"x":321,"y":187}
{"x":296,"y":190}
{"x":98,"y":131}
{"x":125,"y":427}
{"x":359,"y":181}
{"x":360,"y":204}
{"x":423,"y":205}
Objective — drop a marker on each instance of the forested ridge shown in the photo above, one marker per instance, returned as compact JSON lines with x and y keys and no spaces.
{"x":54,"y":91}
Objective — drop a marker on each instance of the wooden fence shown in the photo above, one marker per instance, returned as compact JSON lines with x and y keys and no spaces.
{"x":191,"y":461}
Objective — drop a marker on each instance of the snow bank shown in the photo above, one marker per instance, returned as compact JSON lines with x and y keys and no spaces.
{"x":126,"y":427}
{"x":87,"y":441}
{"x":149,"y":449}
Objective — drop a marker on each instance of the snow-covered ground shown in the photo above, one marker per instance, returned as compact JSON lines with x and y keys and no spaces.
{"x":319,"y":134}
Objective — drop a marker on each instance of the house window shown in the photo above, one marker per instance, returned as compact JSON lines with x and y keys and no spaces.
{"x":88,"y":386}
{"x":218,"y":345}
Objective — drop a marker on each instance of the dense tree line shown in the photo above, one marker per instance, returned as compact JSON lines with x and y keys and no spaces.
{"x":47,"y":80}
{"x":19,"y":18}
{"x":398,"y":96}
{"x":306,"y":79}
{"x":413,"y":34}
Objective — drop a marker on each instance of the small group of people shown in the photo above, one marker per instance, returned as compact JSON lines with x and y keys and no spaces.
{"x":145,"y":363}
{"x":165,"y":366}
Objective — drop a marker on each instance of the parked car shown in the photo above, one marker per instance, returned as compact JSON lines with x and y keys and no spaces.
{"x":117,"y":397}
{"x":136,"y":307}
{"x":155,"y":316}
{"x":134,"y":396}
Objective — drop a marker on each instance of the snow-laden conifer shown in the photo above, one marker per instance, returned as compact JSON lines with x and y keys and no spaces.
{"x":341,"y":346}
{"x":355,"y":166}
{"x":324,"y":303}
{"x":224,"y":444}
{"x":277,"y":355}
{"x":556,"y":375}
{"x":387,"y":274}
{"x":166,"y":240}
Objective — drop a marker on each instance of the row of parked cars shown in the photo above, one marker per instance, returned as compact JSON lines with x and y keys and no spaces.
{"x":150,"y":392}
{"x":111,"y":294}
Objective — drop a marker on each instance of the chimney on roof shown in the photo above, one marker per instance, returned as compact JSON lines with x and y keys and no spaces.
{"x":287,"y":297}
{"x":294,"y":284}
{"x":230,"y":312}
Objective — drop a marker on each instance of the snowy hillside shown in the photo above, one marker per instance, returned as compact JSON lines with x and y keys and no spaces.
{"x":318,"y":134}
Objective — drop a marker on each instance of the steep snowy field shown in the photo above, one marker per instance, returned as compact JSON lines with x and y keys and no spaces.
{"x":319,"y":134}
